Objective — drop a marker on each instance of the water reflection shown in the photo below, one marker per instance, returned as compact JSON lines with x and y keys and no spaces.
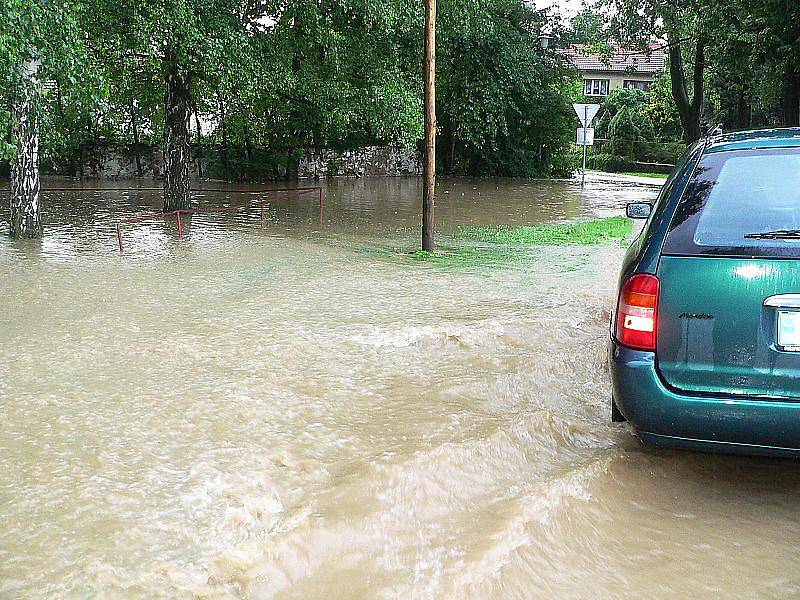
{"x":83,"y":221}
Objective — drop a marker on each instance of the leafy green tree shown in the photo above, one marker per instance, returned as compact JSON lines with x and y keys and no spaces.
{"x":266,"y":80}
{"x":624,"y":131}
{"x":753,"y":66}
{"x":178,"y":44}
{"x":617,"y":100}
{"x":734,"y":59}
{"x":587,"y":27}
{"x":620,"y":98}
{"x":39,"y":44}
{"x":686,"y":25}
{"x":503,"y":106}
{"x":660,"y":110}
{"x":342,"y":74}
{"x":603,"y":122}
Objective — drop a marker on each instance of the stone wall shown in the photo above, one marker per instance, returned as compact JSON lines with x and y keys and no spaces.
{"x":116,"y":162}
{"x":372,"y":161}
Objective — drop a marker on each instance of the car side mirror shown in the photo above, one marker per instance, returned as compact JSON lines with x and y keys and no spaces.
{"x":638,"y":210}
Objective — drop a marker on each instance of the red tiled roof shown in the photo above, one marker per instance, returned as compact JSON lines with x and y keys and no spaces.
{"x":621,"y":59}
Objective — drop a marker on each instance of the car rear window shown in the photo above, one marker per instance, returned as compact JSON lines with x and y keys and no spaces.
{"x":733,"y":199}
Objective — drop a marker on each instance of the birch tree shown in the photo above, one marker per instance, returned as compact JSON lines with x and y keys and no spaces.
{"x":37,"y":39}
{"x":26,"y":217}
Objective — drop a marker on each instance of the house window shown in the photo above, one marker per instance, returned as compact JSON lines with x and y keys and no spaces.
{"x":631,"y":84}
{"x":595,"y":87}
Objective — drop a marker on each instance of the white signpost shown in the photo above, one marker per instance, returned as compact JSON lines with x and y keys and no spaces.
{"x":586,"y":113}
{"x":585,"y":137}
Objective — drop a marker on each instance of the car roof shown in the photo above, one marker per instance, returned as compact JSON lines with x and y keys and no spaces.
{"x":752,"y":140}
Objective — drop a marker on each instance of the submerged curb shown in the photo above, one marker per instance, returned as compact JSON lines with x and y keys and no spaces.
{"x":602,"y":176}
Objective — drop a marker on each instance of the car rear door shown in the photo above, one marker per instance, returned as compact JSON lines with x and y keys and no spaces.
{"x":729,"y":305}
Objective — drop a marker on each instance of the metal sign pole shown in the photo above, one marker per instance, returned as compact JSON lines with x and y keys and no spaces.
{"x":586,"y":113}
{"x":585,"y":123}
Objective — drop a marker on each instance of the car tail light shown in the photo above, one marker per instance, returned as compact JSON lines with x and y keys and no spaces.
{"x":637,"y":313}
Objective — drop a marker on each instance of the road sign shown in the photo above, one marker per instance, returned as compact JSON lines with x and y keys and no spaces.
{"x":586,"y":112}
{"x":587,"y":135}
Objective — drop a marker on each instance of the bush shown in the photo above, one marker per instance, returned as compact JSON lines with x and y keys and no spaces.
{"x":601,"y":131}
{"x":659,"y":152}
{"x":624,"y":130}
{"x":565,"y":163}
{"x":610,"y":163}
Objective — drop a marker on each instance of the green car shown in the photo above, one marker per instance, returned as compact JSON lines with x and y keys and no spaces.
{"x":705,"y":340}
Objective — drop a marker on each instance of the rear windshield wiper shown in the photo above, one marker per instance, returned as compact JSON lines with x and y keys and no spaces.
{"x":780,"y":234}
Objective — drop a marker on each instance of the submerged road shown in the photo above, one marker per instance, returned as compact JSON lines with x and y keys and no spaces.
{"x":305,"y":410}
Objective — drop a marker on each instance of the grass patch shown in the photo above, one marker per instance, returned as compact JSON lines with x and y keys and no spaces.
{"x":485,"y":249}
{"x":650,"y":175}
{"x":587,"y":233}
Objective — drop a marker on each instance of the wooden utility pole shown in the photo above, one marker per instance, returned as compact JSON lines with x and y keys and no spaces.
{"x":429,"y":191}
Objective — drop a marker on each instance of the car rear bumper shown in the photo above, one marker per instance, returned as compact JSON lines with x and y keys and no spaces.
{"x":664,"y":417}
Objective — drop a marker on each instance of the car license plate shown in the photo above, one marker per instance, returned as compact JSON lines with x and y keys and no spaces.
{"x":789,"y":330}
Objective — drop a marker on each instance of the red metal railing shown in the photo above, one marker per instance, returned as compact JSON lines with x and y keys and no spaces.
{"x":191,"y":211}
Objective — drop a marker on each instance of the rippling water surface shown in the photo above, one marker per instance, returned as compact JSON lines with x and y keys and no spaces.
{"x":305,"y":410}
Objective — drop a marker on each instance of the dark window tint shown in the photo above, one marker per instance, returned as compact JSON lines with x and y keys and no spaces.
{"x":735,"y":196}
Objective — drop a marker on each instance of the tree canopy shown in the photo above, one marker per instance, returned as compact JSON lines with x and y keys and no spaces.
{"x":258,"y":82}
{"x":730,"y":61}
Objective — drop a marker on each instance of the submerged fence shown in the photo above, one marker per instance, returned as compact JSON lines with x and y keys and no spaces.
{"x":214,"y":209}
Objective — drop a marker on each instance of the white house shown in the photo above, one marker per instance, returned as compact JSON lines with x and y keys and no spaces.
{"x":623,"y":68}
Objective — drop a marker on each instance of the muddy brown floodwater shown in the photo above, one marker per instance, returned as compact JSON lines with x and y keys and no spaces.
{"x":304,"y":410}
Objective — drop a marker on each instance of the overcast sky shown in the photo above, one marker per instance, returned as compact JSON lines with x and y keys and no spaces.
{"x":567,"y":7}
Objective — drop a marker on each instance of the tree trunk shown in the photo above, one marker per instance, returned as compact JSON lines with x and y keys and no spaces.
{"x":429,"y":189}
{"x":199,"y":142}
{"x":791,"y":98}
{"x":176,"y":138}
{"x":26,"y":220}
{"x":137,"y":148}
{"x":224,"y":134}
{"x":248,"y":147}
{"x":690,"y":111}
{"x":744,"y":112}
{"x":449,"y":139}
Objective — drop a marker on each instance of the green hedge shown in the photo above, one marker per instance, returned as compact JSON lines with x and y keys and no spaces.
{"x":610,"y":163}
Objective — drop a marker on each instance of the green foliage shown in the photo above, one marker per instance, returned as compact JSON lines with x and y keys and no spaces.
{"x":625,"y":117}
{"x":350,"y":75}
{"x":268,"y":79}
{"x":624,"y":130}
{"x":620,"y":98}
{"x":587,"y":27}
{"x":752,"y":60}
{"x":660,"y":110}
{"x":625,"y":125}
{"x":610,"y":163}
{"x":48,"y":33}
{"x":503,"y":107}
{"x":565,"y":163}
{"x":614,"y":229}
{"x":625,"y":120}
{"x":731,"y":61}
{"x":603,"y":123}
